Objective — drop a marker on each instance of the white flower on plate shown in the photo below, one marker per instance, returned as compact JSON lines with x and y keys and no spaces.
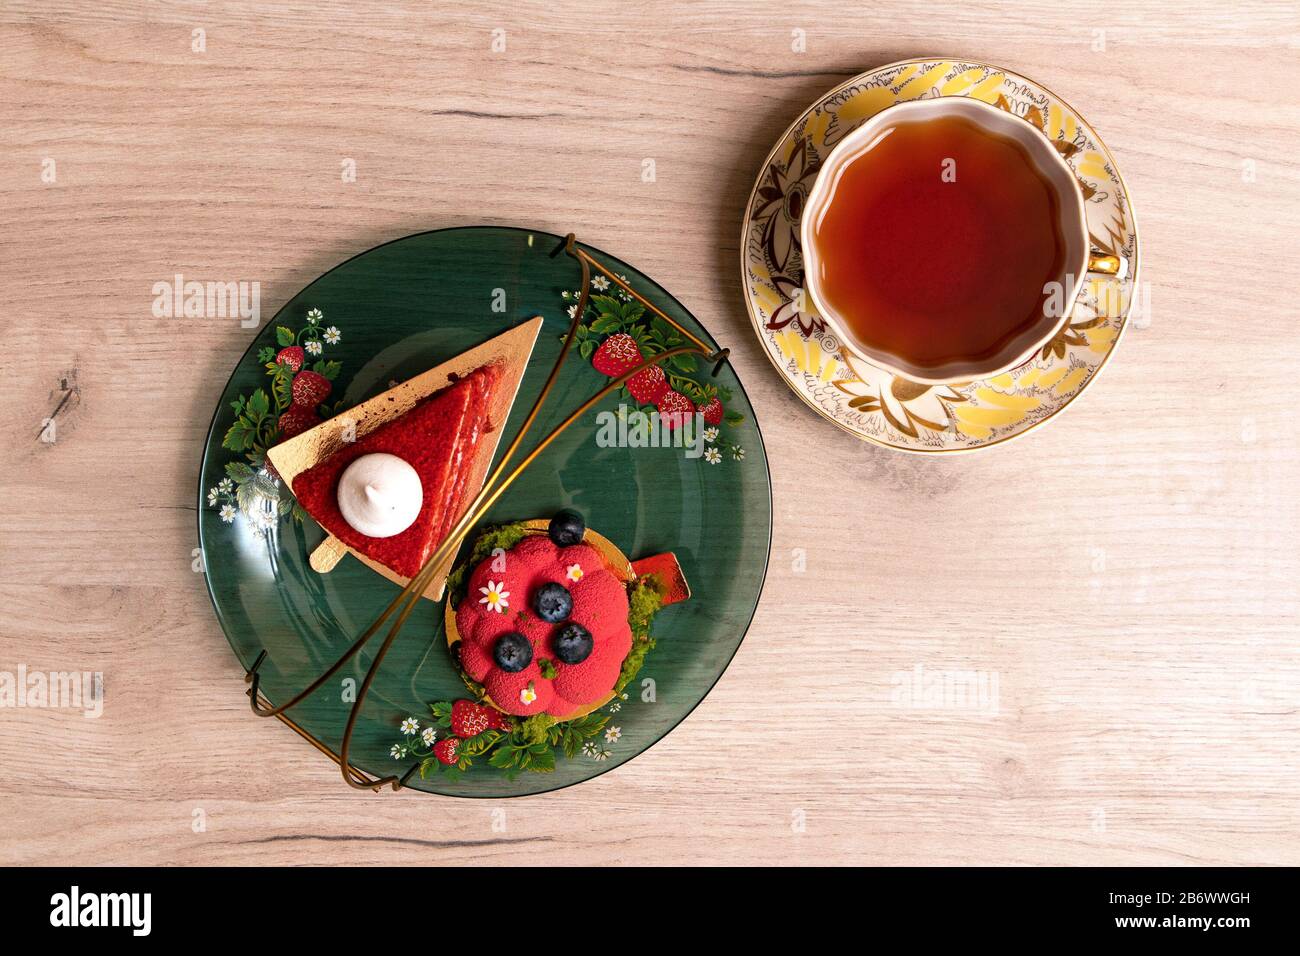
{"x":710,"y":434}
{"x":314,"y":316}
{"x":212,"y":497}
{"x":613,"y":733}
{"x":225,"y":484}
{"x":313,"y":347}
{"x":410,"y":726}
{"x":600,"y":283}
{"x":712,"y":455}
{"x":589,"y":748}
{"x":228,"y":514}
{"x":573,"y":572}
{"x":615,"y":707}
{"x":428,"y":735}
{"x":332,"y":335}
{"x":564,"y":294}
{"x":738,"y":453}
{"x":494,"y":597}
{"x":601,"y":754}
{"x":622,"y":696}
{"x":398,"y":751}
{"x":573,"y":311}
{"x":527,"y":695}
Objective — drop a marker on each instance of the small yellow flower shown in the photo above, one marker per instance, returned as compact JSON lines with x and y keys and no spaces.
{"x":527,"y":695}
{"x":573,"y":572}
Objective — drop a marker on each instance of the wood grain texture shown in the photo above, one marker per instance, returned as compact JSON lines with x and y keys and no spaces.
{"x":1129,"y":573}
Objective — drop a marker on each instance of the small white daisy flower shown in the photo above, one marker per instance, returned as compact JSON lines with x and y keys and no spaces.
{"x":494,"y":597}
{"x":212,"y":497}
{"x":710,"y":434}
{"x":314,"y":316}
{"x":428,"y":735}
{"x":332,"y":335}
{"x":410,"y":725}
{"x":398,"y":751}
{"x":601,"y":754}
{"x":615,"y":708}
{"x":312,"y":346}
{"x":225,"y":484}
{"x":573,"y":311}
{"x":712,"y":455}
{"x":573,"y":572}
{"x":564,"y":294}
{"x":613,"y":733}
{"x":600,"y":283}
{"x":228,"y":514}
{"x":589,"y":748}
{"x":527,"y":695}
{"x":622,"y":696}
{"x":738,"y":453}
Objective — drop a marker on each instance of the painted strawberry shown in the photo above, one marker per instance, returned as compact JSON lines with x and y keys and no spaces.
{"x":445,"y":750}
{"x":617,"y":355}
{"x":310,"y":388}
{"x":711,"y":410}
{"x":291,"y":356}
{"x":648,"y":385}
{"x":469,"y":719}
{"x":674,"y":408}
{"x":296,"y":420}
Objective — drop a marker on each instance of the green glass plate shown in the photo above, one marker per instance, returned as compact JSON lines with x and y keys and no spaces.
{"x":384,"y":316}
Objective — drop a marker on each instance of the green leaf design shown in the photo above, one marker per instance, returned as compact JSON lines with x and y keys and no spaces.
{"x":330,"y":369}
{"x":734,"y":418}
{"x":283,"y":336}
{"x":606,"y":324}
{"x":239,"y":437}
{"x":239,"y":471}
{"x":258,"y":406}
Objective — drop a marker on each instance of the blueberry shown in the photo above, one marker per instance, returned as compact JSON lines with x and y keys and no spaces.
{"x":567,"y":528}
{"x":573,"y":643}
{"x":512,"y":652}
{"x":552,"y":602}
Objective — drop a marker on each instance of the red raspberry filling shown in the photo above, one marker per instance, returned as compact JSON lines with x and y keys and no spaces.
{"x":599,"y":604}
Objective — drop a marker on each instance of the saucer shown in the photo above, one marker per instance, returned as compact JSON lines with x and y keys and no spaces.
{"x":867,"y":400}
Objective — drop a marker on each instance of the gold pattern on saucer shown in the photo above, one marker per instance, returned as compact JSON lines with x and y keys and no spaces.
{"x":510,"y":349}
{"x":615,"y":560}
{"x":869,"y":402}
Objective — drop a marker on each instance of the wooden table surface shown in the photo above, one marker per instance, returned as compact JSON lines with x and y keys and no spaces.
{"x":1128,"y":574}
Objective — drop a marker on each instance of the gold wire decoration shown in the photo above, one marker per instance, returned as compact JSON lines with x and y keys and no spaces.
{"x":493,"y":487}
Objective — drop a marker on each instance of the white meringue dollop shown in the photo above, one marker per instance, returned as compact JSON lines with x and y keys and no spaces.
{"x":380,"y":495}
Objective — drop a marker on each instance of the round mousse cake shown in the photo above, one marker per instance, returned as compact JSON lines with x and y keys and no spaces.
{"x":543,"y":626}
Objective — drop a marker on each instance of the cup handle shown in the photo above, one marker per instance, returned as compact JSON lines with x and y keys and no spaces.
{"x":1108,"y":265}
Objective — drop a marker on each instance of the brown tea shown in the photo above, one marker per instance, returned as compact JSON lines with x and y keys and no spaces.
{"x":937,"y":241}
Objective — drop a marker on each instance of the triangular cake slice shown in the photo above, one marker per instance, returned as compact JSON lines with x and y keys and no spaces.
{"x":445,"y":423}
{"x":438,"y":437}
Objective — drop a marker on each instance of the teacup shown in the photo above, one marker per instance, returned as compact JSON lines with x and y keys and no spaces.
{"x":1003,"y":224}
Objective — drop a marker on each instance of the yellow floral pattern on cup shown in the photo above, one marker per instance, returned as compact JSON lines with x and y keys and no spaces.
{"x":870,"y":402}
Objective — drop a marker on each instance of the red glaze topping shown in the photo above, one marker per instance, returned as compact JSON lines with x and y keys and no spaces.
{"x":438,"y":438}
{"x":599,"y":604}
